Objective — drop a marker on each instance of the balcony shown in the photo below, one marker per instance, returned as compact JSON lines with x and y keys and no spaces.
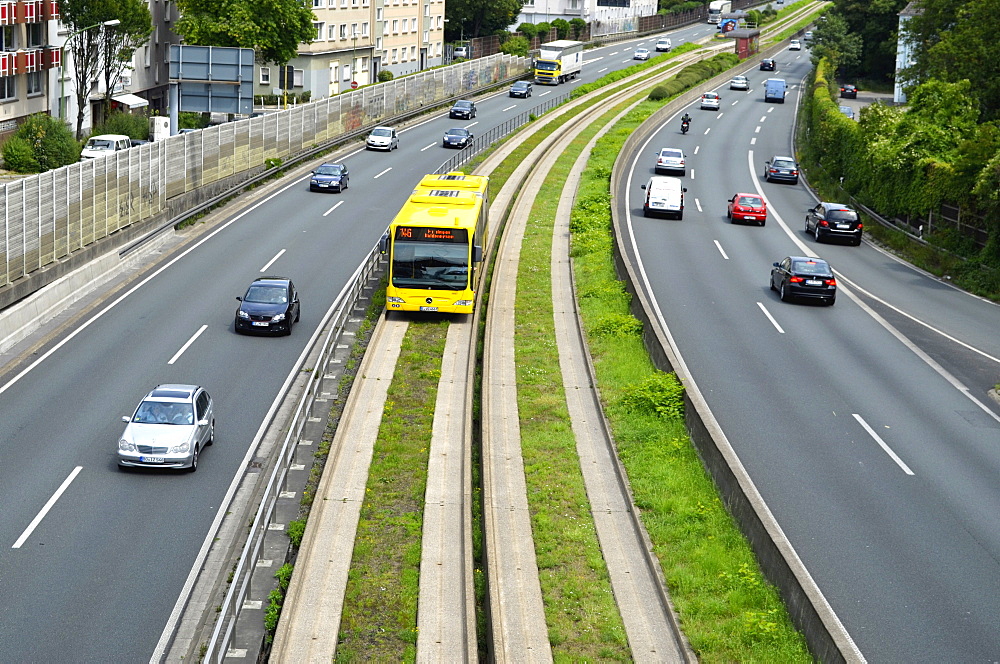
{"x":28,"y":11}
{"x":30,"y":60}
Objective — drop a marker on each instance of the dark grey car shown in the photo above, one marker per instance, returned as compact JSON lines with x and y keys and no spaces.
{"x":834,"y":220}
{"x":463,"y":109}
{"x":781,"y":169}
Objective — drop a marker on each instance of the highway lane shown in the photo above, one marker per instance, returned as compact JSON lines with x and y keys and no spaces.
{"x":99,"y":571}
{"x":881,"y":472}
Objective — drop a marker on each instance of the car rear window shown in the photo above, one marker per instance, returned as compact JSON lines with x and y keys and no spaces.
{"x":749,"y":200}
{"x":783,"y":163}
{"x":842,"y":215}
{"x":810,"y":267}
{"x":671,"y":153}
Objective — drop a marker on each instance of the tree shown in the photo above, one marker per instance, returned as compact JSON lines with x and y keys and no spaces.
{"x":579,"y":26}
{"x":836,"y":43}
{"x":84,"y":17}
{"x":117,"y":44}
{"x":39,"y":144}
{"x":472,"y":18}
{"x":273,"y":28}
{"x":515,"y":46}
{"x":529,"y":30}
{"x":873,"y":23}
{"x":562,"y":27}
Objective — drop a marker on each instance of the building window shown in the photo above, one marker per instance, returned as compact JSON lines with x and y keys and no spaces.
{"x":378,"y":14}
{"x":378,"y":43}
{"x":36,"y":34}
{"x":364,"y":63}
{"x":34,"y":83}
{"x":319,"y":30}
{"x":8,"y":38}
{"x":529,"y":3}
{"x":413,"y":24}
{"x":395,"y":26}
{"x":317,"y":4}
{"x":265,"y":76}
{"x":331,"y":32}
{"x":354,"y":31}
{"x":364,"y":29}
{"x":298,"y":77}
{"x":395,"y":58}
{"x":8,"y":88}
{"x":343,"y":31}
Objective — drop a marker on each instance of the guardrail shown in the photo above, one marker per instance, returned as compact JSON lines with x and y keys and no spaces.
{"x":484,"y":141}
{"x":335,"y":321}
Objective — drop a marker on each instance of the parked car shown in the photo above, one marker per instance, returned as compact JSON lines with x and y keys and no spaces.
{"x":382,"y":138}
{"x":103,"y":145}
{"x":781,"y":169}
{"x":329,"y":177}
{"x":670,"y":160}
{"x":739,"y":83}
{"x":848,"y":91}
{"x":463,"y":109}
{"x":830,"y":220}
{"x":747,"y":208}
{"x":803,"y":277}
{"x":136,"y":142}
{"x":457,"y":137}
{"x":521,"y":89}
{"x":168,"y":429}
{"x":462,"y":52}
{"x":795,"y":45}
{"x":711,"y":101}
{"x":270,"y":305}
{"x":663,"y":44}
{"x":641,"y":54}
{"x":767,"y":64}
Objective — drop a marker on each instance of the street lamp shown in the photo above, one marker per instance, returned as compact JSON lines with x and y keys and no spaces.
{"x":354,"y":57}
{"x":62,"y":62}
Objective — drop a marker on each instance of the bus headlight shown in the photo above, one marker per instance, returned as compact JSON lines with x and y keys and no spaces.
{"x":394,"y":299}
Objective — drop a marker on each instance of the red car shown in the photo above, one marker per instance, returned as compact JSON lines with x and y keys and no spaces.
{"x":747,"y":208}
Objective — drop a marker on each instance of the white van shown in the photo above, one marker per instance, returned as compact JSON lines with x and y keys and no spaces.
{"x":664,"y":196}
{"x":103,"y":145}
{"x":663,"y":44}
{"x":775,"y":90}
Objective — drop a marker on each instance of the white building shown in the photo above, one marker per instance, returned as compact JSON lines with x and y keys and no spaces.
{"x":904,"y":51}
{"x":605,"y":16}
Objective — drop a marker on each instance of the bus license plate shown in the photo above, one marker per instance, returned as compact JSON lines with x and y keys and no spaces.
{"x":428,"y":308}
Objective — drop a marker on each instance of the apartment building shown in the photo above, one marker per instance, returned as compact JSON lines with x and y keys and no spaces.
{"x":355,"y":39}
{"x":27,"y":28}
{"x":604,"y":16}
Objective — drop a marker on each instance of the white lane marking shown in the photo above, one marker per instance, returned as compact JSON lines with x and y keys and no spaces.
{"x":692,"y":173}
{"x":882,"y":444}
{"x":771,"y":110}
{"x":188,"y":344}
{"x":578,"y":81}
{"x":602,"y":70}
{"x":770,"y":318}
{"x":271,"y":262}
{"x":48,"y":506}
{"x":697,"y":204}
{"x":545,"y":93}
{"x":339,"y":203}
{"x":719,"y":115}
{"x":427,"y":148}
{"x":625,"y":61}
{"x":508,"y":108}
{"x":753,"y":141}
{"x":383,"y":173}
{"x":763,"y":117}
{"x":472,"y":124}
{"x":721,"y":250}
{"x":708,"y":130}
{"x":735,"y":102}
{"x":600,"y":57}
{"x":757,"y":130}
{"x":696,"y":148}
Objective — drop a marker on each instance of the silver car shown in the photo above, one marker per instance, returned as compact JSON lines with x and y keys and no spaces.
{"x":670,"y":160}
{"x":711,"y":100}
{"x":168,"y":429}
{"x":382,"y":138}
{"x":739,"y":83}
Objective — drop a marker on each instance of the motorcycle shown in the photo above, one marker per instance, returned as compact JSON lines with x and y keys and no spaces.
{"x":685,"y":125}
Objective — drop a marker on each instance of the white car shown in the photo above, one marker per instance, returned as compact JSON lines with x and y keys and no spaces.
{"x":670,"y":160}
{"x":382,"y":138}
{"x":739,"y":83}
{"x":795,"y":45}
{"x":808,"y":36}
{"x":663,"y":44}
{"x":641,"y":54}
{"x":711,"y":100}
{"x":168,"y":429}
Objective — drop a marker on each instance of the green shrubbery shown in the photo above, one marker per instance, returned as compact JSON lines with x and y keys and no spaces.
{"x":126,"y":124}
{"x":515,"y":46}
{"x":39,"y":144}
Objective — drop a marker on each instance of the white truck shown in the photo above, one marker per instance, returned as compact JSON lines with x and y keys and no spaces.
{"x":558,"y":61}
{"x":717,"y":8}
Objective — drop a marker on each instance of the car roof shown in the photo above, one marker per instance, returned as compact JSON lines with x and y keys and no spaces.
{"x":377,"y":128}
{"x":749,"y":194}
{"x":808,"y":259}
{"x":462,"y":101}
{"x":836,"y":206}
{"x":272,"y":281}
{"x":178,"y":391}
{"x":456,"y":130}
{"x":781,"y":156}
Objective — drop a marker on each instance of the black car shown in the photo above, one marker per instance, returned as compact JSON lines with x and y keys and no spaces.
{"x":463,"y":109}
{"x":781,"y":169}
{"x":271,"y":305}
{"x":849,"y":92}
{"x":804,"y":277}
{"x":767,"y":64}
{"x":829,"y":220}
{"x":521,"y":89}
{"x":329,"y":177}
{"x":457,"y":138}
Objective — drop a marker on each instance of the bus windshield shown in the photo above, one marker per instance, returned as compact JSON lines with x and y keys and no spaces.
{"x":430,"y":265}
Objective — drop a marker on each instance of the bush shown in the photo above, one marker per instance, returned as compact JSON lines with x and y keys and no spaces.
{"x":19,"y":157}
{"x":133,"y":126}
{"x":385,"y":75}
{"x":47,"y":143}
{"x":543,"y":29}
{"x":659,"y":93}
{"x":562,"y":27}
{"x":579,"y":26}
{"x":529,"y":30}
{"x":516,"y":46}
{"x":660,"y":393}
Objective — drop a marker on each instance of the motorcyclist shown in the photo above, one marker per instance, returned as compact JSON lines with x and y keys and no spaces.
{"x":685,"y":122}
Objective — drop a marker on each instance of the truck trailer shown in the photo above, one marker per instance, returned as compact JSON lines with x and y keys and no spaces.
{"x":717,"y":8}
{"x":558,"y":61}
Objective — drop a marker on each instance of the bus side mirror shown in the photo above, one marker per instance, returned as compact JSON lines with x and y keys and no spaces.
{"x":477,"y":254}
{"x":383,"y":243}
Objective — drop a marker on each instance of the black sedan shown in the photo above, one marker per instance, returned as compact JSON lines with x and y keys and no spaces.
{"x":804,"y":277}
{"x":767,"y":64}
{"x":457,"y":137}
{"x":781,"y":169}
{"x":521,"y":89}
{"x":271,"y":305}
{"x":329,"y":177}
{"x":463,"y":109}
{"x":849,"y":92}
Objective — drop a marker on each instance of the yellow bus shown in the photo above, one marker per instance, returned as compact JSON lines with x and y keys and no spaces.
{"x":435,"y":244}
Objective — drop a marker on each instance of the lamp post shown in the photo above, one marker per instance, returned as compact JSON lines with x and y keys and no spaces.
{"x":354,"y":57}
{"x":62,"y":62}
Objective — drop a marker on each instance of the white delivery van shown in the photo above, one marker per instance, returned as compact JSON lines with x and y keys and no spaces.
{"x":103,"y":145}
{"x":664,"y":197}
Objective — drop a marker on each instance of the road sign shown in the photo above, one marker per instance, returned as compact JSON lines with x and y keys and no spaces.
{"x":354,"y":85}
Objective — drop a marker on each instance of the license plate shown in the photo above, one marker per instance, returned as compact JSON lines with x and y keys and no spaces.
{"x":428,"y":308}
{"x":146,"y":459}
{"x":843,"y":227}
{"x":750,"y":218}
{"x":813,"y":282}
{"x":260,"y":323}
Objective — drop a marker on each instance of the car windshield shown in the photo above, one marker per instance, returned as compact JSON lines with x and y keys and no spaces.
{"x":94,"y":144}
{"x":463,"y":104}
{"x":710,"y":95}
{"x":329,"y":170}
{"x":162,"y":412}
{"x":810,"y":267}
{"x":520,"y":85}
{"x":842,"y":215}
{"x":382,"y":132}
{"x":266,"y":295}
{"x":749,"y":201}
{"x":783,"y":163}
{"x":458,"y":132}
